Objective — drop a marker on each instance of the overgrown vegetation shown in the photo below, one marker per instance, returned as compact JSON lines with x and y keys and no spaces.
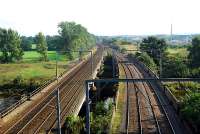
{"x":103,"y":107}
{"x":182,"y":89}
{"x":101,"y":117}
{"x":147,"y":60}
{"x":74,"y":124}
{"x":191,"y":111}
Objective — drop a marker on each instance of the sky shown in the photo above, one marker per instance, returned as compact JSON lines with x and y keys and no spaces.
{"x":102,"y":17}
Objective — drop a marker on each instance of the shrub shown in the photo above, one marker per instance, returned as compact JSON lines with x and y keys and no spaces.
{"x":147,"y":60}
{"x":191,"y":109}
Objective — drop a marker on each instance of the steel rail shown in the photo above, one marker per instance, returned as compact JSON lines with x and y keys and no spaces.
{"x":47,"y":104}
{"x":63,"y":82}
{"x":138,"y":103}
{"x":98,"y":56}
{"x":24,"y":99}
{"x":75,"y":86}
{"x":150,"y":103}
{"x":161,"y":104}
{"x":149,"y":100}
{"x":43,"y":102}
{"x":127,"y":70}
{"x":63,"y":113}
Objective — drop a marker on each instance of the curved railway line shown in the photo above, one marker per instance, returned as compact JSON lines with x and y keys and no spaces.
{"x":145,"y":111}
{"x":42,"y":117}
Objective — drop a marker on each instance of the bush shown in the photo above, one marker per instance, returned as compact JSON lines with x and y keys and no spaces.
{"x":18,"y":81}
{"x":191,"y":109}
{"x":101,"y":117}
{"x":195,"y":72}
{"x":174,"y":67}
{"x":74,"y":124}
{"x":147,"y":60}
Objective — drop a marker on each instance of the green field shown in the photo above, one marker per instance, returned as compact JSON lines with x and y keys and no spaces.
{"x":178,"y":52}
{"x":129,"y":47}
{"x":32,"y":68}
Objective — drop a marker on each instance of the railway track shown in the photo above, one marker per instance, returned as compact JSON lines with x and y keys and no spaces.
{"x":42,"y":117}
{"x":144,"y":109}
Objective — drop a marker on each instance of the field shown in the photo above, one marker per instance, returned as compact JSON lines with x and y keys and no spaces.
{"x":178,"y":52}
{"x":129,"y":47}
{"x":32,"y":68}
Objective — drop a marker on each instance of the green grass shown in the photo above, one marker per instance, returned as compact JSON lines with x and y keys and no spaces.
{"x":117,"y":118}
{"x":129,"y":47}
{"x":179,"y":90}
{"x":178,"y":52}
{"x":31,"y":67}
{"x":34,"y":56}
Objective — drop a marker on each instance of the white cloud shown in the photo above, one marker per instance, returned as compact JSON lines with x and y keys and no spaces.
{"x":102,"y":17}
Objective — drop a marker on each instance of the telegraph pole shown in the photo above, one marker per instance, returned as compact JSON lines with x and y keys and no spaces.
{"x":91,"y":62}
{"x":58,"y":99}
{"x":87,"y":108}
{"x":171,"y":33}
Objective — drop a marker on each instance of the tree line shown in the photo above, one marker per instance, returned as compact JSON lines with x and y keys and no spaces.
{"x":173,"y":66}
{"x":71,"y":37}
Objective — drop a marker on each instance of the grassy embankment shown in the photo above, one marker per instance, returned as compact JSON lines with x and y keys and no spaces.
{"x":117,"y":117}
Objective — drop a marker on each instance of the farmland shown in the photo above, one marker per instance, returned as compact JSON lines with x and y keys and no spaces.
{"x":32,"y":68}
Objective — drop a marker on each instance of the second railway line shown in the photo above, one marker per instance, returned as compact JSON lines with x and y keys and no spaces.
{"x":145,"y":111}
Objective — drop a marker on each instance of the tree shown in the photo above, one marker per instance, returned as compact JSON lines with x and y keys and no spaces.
{"x":194,"y":52}
{"x":74,"y":37}
{"x":27,"y":43}
{"x":153,"y":47}
{"x":41,"y":46}
{"x":191,"y":109}
{"x":175,"y":67}
{"x":147,"y":60}
{"x":10,"y":45}
{"x":53,"y":42}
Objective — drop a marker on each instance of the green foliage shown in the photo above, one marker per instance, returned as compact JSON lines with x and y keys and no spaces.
{"x":100,"y":124}
{"x":53,"y":42}
{"x":41,"y":46}
{"x":175,"y":67}
{"x":101,"y":117}
{"x":74,"y":37}
{"x":195,"y":72}
{"x":191,"y":108}
{"x":147,"y":60}
{"x":10,"y":46}
{"x":18,"y":80}
{"x":194,"y":52}
{"x":74,"y":124}
{"x":153,"y":46}
{"x":123,"y":50}
{"x":27,"y":43}
{"x":178,"y":52}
